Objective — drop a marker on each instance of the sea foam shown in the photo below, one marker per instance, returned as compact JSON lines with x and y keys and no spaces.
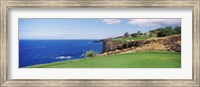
{"x":63,"y":57}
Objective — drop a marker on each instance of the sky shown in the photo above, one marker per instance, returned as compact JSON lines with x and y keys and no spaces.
{"x":87,"y":28}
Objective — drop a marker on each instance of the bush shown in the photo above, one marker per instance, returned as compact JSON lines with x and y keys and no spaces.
{"x":89,"y":53}
{"x":177,"y":30}
{"x":126,"y":34}
{"x":139,"y":33}
{"x":166,"y":32}
{"x":134,"y":35}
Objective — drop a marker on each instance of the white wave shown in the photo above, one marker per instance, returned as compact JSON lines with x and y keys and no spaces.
{"x":63,"y":57}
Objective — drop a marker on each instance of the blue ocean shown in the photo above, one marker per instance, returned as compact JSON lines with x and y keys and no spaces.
{"x":32,"y":52}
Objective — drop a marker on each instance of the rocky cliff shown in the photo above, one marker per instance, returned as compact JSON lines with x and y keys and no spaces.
{"x":171,"y":43}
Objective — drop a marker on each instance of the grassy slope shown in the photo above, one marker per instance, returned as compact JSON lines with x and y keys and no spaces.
{"x":139,"y":37}
{"x":128,"y":60}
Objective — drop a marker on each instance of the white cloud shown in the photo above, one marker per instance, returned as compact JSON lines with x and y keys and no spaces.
{"x":155,"y":22}
{"x":111,"y":21}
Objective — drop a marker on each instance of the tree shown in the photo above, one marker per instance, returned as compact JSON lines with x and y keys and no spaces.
{"x":156,"y":31}
{"x":134,"y":35}
{"x":139,"y":32}
{"x":166,"y":32}
{"x":177,"y":30}
{"x":162,"y":33}
{"x":126,"y":34}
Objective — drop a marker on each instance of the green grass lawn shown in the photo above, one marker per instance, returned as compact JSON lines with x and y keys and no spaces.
{"x":139,"y":37}
{"x":129,"y":60}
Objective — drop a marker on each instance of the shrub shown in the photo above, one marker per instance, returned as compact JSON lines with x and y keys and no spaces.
{"x":166,"y":32}
{"x":139,"y":33}
{"x":134,"y":35}
{"x":126,"y":34}
{"x":89,"y":53}
{"x":177,"y":29}
{"x":162,"y":32}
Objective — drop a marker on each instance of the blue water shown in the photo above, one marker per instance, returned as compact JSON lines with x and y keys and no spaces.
{"x":32,"y":52}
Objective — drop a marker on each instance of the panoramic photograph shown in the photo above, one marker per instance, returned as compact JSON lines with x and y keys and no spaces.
{"x":99,"y":42}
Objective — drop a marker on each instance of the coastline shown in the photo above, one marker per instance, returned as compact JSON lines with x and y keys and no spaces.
{"x":165,"y":44}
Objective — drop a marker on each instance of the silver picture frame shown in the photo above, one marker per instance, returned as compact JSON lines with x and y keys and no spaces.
{"x":7,"y":4}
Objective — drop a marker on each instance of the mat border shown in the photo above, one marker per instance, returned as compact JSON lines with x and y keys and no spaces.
{"x":7,"y":4}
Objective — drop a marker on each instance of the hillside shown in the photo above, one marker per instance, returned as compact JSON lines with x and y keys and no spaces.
{"x":169,"y":43}
{"x":161,"y":39}
{"x":155,"y":33}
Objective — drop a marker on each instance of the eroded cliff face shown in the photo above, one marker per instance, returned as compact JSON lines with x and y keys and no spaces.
{"x":172,"y":43}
